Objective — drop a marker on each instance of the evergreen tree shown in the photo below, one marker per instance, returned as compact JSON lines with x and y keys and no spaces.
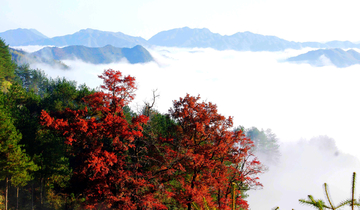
{"x":15,"y":164}
{"x":266,"y":143}
{"x":7,"y":67}
{"x":32,"y":79}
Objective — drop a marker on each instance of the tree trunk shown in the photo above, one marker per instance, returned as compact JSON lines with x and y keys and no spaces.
{"x":17,"y":198}
{"x":192,"y":186}
{"x":41,"y":193}
{"x":218,"y":198}
{"x":233,"y":196}
{"x":6,"y":193}
{"x":65,"y":202}
{"x":44,"y":191}
{"x":32,"y":196}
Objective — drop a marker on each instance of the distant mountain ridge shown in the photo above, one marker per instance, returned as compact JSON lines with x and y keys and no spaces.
{"x":17,"y":37}
{"x":182,"y":37}
{"x":96,"y":55}
{"x":92,"y":38}
{"x":322,"y":57}
{"x":21,"y":57}
{"x":104,"y":55}
{"x":241,"y":41}
{"x":204,"y":38}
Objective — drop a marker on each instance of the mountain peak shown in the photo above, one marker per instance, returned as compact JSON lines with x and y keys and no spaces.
{"x":194,"y":29}
{"x":88,"y":30}
{"x":204,"y":38}
{"x":38,"y":33}
{"x":92,"y":38}
{"x":19,"y":36}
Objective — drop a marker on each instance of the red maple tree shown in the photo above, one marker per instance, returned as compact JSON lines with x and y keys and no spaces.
{"x":117,"y":166}
{"x":102,"y":140}
{"x":205,"y":157}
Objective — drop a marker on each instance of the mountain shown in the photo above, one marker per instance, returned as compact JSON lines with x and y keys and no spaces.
{"x":107,"y":54}
{"x":323,"y":57}
{"x":242,"y":41}
{"x":203,"y":38}
{"x":178,"y":37}
{"x":92,"y":38}
{"x":18,"y":37}
{"x":22,"y":57}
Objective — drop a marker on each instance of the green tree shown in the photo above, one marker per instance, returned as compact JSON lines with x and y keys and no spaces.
{"x":266,"y":144}
{"x":32,"y":79}
{"x":61,"y":94}
{"x":7,"y":67}
{"x":24,"y":101}
{"x":320,"y":204}
{"x":54,"y":158}
{"x":15,"y":164}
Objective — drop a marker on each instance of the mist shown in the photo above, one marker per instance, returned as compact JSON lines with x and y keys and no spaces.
{"x":296,"y":101}
{"x":302,"y":170}
{"x":30,"y":48}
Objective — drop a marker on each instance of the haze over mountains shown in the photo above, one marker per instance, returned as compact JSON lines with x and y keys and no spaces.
{"x":179,"y":37}
{"x":17,"y":37}
{"x":21,"y":57}
{"x":324,"y":57}
{"x":98,"y":55}
{"x":242,"y":41}
{"x":91,"y":38}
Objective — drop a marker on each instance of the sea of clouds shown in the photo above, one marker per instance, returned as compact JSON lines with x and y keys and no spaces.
{"x":297,"y":101}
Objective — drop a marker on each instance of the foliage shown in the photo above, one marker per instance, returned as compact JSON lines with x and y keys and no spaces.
{"x":7,"y":66}
{"x":265,"y":144}
{"x":14,"y":162}
{"x":2,"y":201}
{"x":321,"y":204}
{"x":206,"y":206}
{"x":181,"y":157}
{"x":204,"y":157}
{"x":32,"y":79}
{"x":101,"y":138}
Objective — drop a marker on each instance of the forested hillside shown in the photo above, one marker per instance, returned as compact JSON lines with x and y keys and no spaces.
{"x":64,"y":146}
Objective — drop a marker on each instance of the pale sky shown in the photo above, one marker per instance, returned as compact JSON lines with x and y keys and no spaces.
{"x":295,"y":101}
{"x":293,"y":20}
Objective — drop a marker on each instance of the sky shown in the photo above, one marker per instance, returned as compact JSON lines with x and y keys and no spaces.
{"x":295,"y":20}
